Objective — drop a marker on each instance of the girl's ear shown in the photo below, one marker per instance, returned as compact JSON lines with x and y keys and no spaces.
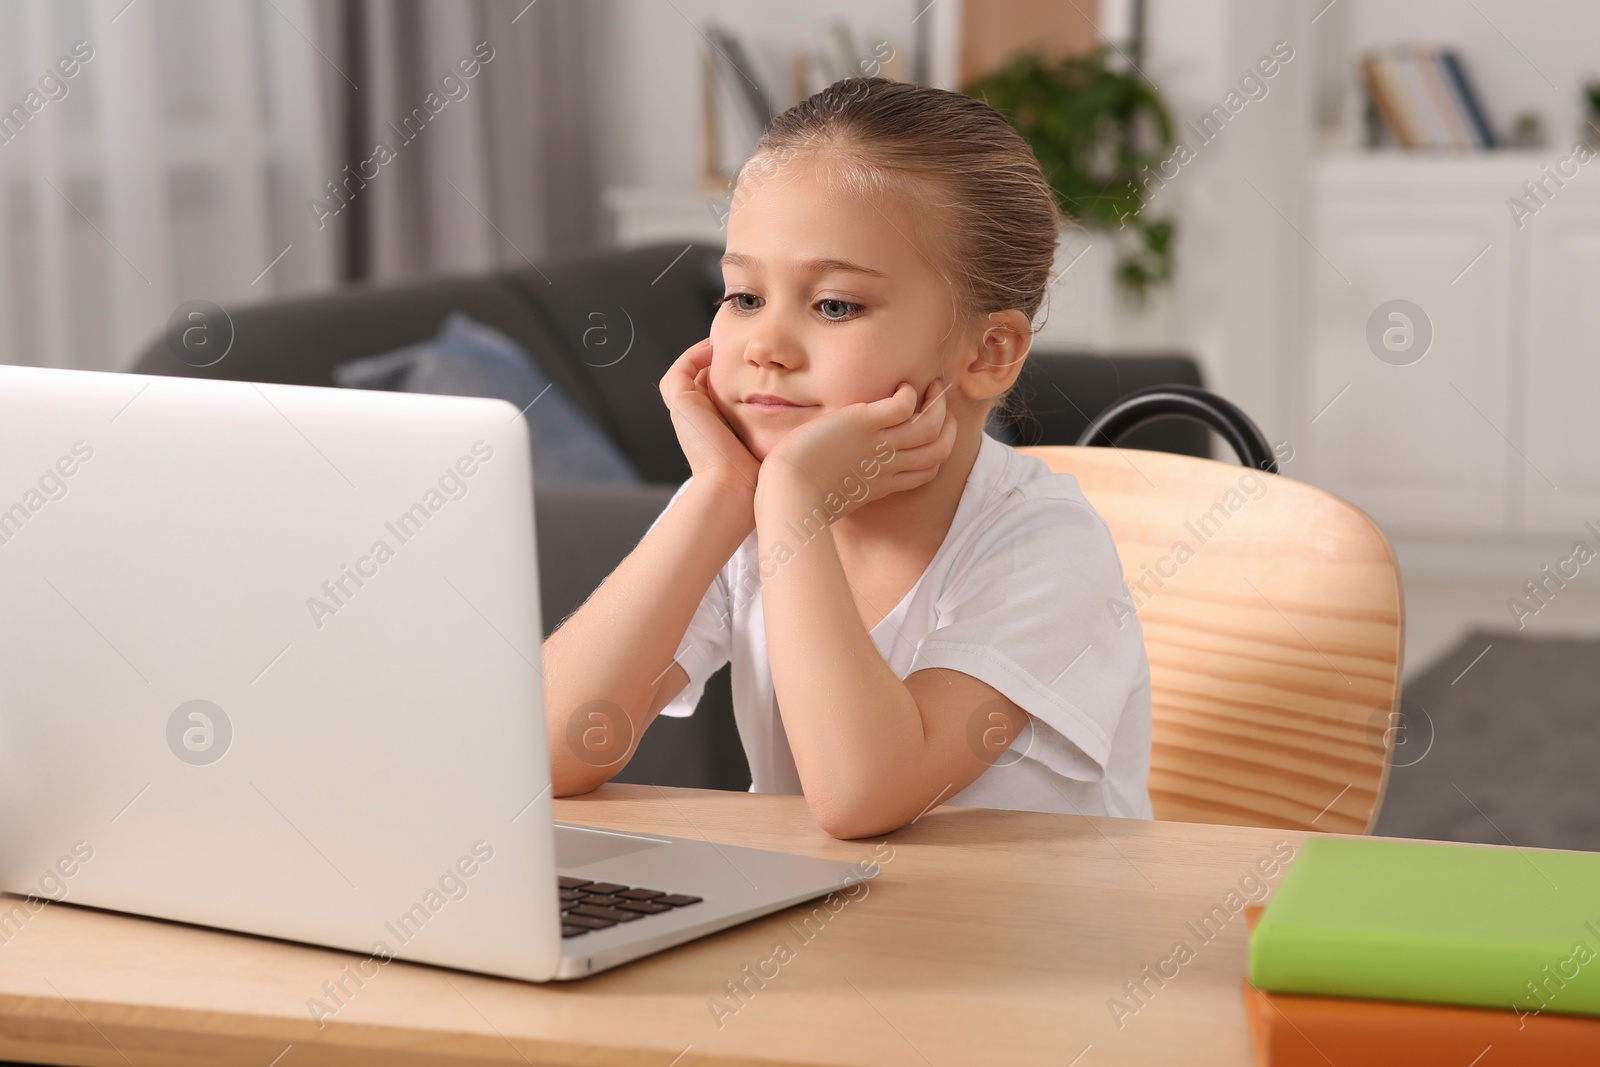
{"x":1002,"y":348}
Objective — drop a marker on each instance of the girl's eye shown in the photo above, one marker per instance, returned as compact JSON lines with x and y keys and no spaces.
{"x":846,"y":310}
{"x":734,"y":299}
{"x":832,"y":310}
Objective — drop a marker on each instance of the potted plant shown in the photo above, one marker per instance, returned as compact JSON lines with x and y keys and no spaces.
{"x":1096,"y":130}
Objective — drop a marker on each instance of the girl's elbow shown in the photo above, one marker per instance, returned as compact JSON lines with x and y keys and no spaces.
{"x":571,"y":789}
{"x":847,"y":831}
{"x":566,"y":781}
{"x":851,"y":821}
{"x":853,"y":830}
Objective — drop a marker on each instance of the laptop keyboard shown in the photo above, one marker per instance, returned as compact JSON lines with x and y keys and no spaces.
{"x":587,"y":905}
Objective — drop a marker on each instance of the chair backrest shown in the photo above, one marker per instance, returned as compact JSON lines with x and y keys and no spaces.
{"x":1274,"y":621}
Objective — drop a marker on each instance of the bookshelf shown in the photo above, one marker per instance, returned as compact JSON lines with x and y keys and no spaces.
{"x":1516,"y":61}
{"x":1405,"y":172}
{"x":641,"y":216}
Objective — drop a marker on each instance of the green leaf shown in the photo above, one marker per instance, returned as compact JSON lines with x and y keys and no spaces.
{"x":1094,"y":129}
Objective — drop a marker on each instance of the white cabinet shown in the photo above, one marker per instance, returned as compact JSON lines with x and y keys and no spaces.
{"x":1561,"y":375}
{"x":1495,"y":431}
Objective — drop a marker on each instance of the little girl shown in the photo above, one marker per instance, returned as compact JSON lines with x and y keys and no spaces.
{"x":916,"y":613}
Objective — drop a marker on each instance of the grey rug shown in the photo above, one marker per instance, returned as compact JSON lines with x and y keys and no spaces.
{"x":1514,"y":752}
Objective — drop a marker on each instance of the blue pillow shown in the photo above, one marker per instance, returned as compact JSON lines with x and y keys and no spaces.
{"x":471,"y":359}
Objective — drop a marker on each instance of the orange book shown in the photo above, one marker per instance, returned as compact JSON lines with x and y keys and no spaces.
{"x":1381,"y":89}
{"x":1389,"y":95}
{"x":1289,"y":1030}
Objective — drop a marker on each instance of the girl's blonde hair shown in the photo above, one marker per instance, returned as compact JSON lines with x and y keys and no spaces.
{"x":982,"y":200}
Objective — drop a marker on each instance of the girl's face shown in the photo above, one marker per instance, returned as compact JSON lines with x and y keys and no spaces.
{"x":829,"y":303}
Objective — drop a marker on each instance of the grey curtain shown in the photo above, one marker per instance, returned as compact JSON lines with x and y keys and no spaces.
{"x":460,"y":134}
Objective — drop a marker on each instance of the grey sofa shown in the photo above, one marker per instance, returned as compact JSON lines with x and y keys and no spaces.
{"x":604,"y":328}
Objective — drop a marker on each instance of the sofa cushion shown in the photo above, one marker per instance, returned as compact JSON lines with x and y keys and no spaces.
{"x":468,"y":358}
{"x":619,"y":320}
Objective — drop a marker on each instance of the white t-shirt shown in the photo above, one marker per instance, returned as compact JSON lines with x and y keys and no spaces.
{"x":1024,"y":594}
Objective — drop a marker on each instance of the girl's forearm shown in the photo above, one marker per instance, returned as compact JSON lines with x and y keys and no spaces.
{"x":853,"y":726}
{"x":618,"y":646}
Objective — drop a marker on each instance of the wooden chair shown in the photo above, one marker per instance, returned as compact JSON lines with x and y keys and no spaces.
{"x":1273,"y":617}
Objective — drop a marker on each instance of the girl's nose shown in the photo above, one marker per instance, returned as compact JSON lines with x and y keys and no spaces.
{"x":770,"y":347}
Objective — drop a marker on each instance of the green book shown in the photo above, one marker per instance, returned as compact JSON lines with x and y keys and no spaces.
{"x":1480,"y":925}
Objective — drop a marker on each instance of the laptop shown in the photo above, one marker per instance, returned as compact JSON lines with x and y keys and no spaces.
{"x":271,"y":663}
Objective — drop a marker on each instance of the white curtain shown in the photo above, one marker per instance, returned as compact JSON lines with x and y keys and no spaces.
{"x":151,"y":154}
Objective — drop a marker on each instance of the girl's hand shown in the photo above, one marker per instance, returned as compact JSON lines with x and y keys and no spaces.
{"x":862,"y":451}
{"x":716,"y":455}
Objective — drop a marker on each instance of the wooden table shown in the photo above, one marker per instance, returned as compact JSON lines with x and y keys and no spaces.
{"x":990,"y":938}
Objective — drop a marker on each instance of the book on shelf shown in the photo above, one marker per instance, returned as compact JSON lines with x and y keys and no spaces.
{"x":1467,"y":99}
{"x":1424,"y":99}
{"x":1375,"y":76}
{"x":1442,"y":103}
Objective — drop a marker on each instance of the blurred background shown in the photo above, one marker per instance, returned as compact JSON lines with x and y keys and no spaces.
{"x":1374,"y":226}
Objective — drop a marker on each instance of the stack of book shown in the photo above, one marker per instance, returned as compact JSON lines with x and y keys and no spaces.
{"x":1377,"y":952}
{"x":1424,"y":99}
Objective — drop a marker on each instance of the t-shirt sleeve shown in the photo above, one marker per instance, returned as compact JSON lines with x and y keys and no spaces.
{"x":706,"y":643}
{"x":1036,"y":608}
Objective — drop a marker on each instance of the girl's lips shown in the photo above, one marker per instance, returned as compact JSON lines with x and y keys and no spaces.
{"x":768,"y":402}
